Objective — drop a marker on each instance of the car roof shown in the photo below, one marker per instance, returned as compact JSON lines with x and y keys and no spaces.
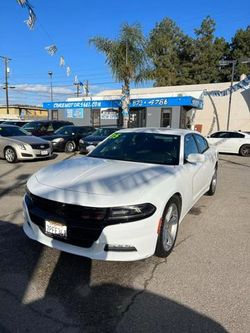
{"x":7,"y":125}
{"x":160,"y":130}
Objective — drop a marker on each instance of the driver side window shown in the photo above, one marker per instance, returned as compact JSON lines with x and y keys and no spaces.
{"x":190,"y":146}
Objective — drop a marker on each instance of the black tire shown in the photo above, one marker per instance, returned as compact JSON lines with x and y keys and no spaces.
{"x":10,"y":155}
{"x":70,"y":146}
{"x":166,"y":242}
{"x":244,"y":150}
{"x":213,"y":184}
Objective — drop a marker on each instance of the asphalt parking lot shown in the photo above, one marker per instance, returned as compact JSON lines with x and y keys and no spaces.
{"x":203,"y":286}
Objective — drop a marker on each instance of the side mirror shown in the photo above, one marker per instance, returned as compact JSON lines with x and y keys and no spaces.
{"x":195,"y":158}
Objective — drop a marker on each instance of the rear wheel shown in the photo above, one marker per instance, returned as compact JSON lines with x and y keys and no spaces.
{"x":70,"y":146}
{"x":10,"y":155}
{"x":245,"y":150}
{"x":169,"y":228}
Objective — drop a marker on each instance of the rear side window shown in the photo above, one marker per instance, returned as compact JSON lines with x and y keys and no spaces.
{"x":219,"y":135}
{"x":236,"y":135}
{"x":201,"y":143}
{"x":190,"y":146}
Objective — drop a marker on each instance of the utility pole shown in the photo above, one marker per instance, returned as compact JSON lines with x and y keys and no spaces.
{"x":77,"y":84}
{"x":86,"y":88}
{"x":6,"y":60}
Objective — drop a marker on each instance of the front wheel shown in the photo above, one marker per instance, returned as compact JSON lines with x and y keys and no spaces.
{"x":10,"y":155}
{"x":245,"y":150}
{"x":70,"y":147}
{"x":213,"y":184}
{"x":169,"y":229}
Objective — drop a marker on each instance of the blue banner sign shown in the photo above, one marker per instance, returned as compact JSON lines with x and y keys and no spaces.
{"x":134,"y":103}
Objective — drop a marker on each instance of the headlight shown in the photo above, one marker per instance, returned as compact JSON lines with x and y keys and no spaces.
{"x":81,"y":141}
{"x":21,"y":146}
{"x":58,"y":140}
{"x":131,"y":213}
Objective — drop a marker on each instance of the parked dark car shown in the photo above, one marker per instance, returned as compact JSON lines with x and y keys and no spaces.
{"x":67,"y":137}
{"x":19,"y":123}
{"x":98,"y":136}
{"x":45,"y":127}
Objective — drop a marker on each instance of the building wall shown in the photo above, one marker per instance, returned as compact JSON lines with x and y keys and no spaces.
{"x":239,"y":115}
{"x":30,"y":112}
{"x":240,"y":106}
{"x":205,"y":120}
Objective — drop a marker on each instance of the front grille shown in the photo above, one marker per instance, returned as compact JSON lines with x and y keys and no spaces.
{"x":40,"y":146}
{"x":84,"y":224}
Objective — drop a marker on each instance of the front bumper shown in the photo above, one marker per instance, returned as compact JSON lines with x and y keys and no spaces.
{"x":140,"y":235}
{"x":30,"y":153}
{"x":58,"y":146}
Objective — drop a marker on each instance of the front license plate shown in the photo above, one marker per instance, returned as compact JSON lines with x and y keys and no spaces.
{"x":56,"y":229}
{"x":44,"y":152}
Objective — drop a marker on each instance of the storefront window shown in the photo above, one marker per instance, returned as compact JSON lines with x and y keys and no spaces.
{"x":166,"y":117}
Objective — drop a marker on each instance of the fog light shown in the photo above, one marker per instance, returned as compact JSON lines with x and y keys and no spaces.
{"x":119,"y":248}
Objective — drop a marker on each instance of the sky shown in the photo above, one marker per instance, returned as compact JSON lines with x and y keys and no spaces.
{"x":70,"y":24}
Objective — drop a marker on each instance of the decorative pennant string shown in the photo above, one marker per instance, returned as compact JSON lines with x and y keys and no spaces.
{"x":62,"y":61}
{"x":68,"y":71}
{"x":22,"y":3}
{"x":51,"y":49}
{"x":32,"y":19}
{"x":243,"y":84}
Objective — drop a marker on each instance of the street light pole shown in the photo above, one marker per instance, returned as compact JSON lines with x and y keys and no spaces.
{"x":233,"y":62}
{"x":51,"y":93}
{"x":6,"y":59}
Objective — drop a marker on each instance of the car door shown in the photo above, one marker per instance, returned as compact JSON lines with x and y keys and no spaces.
{"x":195,"y":172}
{"x":234,"y":142}
{"x":210,"y":160}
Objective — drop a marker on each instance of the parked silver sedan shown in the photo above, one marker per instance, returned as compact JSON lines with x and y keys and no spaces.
{"x":16,"y":144}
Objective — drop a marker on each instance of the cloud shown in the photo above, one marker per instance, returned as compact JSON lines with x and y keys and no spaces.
{"x":39,"y":88}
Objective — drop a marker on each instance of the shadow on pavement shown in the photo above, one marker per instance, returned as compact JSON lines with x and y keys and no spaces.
{"x":44,"y":290}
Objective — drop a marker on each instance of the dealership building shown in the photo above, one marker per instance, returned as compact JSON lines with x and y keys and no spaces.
{"x":189,"y":106}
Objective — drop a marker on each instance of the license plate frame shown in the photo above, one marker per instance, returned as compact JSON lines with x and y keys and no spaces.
{"x":54,"y":228}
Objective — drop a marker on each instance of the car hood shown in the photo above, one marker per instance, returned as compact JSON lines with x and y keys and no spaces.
{"x":95,"y":181}
{"x":52,"y":137}
{"x":94,"y":138}
{"x":30,"y":139}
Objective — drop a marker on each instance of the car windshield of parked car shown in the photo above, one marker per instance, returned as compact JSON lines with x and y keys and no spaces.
{"x":65,"y":130}
{"x":32,"y":126}
{"x":12,"y":131}
{"x":104,"y":131}
{"x":140,"y":147}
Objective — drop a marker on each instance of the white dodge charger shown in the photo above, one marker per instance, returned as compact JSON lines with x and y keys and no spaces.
{"x":126,"y":199}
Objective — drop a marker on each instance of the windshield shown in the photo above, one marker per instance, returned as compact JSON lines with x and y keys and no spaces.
{"x":32,"y":125}
{"x":140,"y":147}
{"x":65,"y":130}
{"x":104,"y":131}
{"x":12,"y":131}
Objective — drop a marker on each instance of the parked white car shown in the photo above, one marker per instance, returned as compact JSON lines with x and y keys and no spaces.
{"x":231,"y":142}
{"x":125,"y":200}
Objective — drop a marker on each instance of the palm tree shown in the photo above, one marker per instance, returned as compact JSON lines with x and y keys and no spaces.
{"x":126,"y":57}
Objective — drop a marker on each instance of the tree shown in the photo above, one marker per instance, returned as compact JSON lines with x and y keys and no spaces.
{"x":164,"y":47}
{"x":208,"y":51}
{"x":240,"y":49}
{"x":126,"y":58}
